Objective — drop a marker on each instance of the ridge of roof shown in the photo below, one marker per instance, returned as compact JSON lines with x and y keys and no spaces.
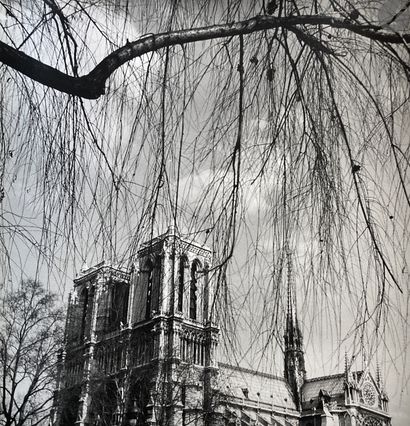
{"x":331,"y":376}
{"x":250,"y":371}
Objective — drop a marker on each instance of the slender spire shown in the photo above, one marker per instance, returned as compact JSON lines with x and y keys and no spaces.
{"x":293,"y":335}
{"x":346,"y":365}
{"x":348,"y":373}
{"x":291,"y":293}
{"x":379,"y":379}
{"x":295,"y":373}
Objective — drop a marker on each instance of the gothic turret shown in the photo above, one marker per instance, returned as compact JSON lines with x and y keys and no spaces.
{"x":295,"y":372}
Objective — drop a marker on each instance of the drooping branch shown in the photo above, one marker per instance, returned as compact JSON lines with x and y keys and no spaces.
{"x":91,"y":86}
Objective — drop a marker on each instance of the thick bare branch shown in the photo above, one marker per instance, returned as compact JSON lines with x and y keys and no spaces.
{"x":91,"y":86}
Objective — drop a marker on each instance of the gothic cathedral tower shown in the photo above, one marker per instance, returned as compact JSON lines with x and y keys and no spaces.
{"x":140,"y":345}
{"x":171,"y":292}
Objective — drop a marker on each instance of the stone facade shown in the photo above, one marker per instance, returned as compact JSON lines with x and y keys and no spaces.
{"x":141,"y":349}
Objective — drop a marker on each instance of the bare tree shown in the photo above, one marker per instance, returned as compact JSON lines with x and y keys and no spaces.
{"x":30,"y":337}
{"x":257,"y":126}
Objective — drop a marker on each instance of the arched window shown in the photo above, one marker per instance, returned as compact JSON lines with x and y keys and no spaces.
{"x":119,"y":292}
{"x":183,"y":263}
{"x":152,"y":275}
{"x":150,"y":279}
{"x":206,"y":294}
{"x":84,"y":312}
{"x":193,"y":290}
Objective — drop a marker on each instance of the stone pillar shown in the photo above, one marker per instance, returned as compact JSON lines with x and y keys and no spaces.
{"x":159,"y":331}
{"x":165,"y":284}
{"x":95,"y":308}
{"x":132,"y":284}
{"x":211,"y":345}
{"x":174,"y":340}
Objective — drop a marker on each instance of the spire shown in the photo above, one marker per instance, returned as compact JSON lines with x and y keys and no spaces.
{"x":295,"y":373}
{"x":379,"y":379}
{"x":293,"y":335}
{"x":348,"y":373}
{"x":346,"y":366}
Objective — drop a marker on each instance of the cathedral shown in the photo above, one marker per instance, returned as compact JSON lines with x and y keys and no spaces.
{"x":141,"y":349}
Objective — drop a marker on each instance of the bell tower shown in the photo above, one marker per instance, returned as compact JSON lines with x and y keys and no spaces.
{"x":295,"y":373}
{"x":172,"y":279}
{"x":172,"y":299}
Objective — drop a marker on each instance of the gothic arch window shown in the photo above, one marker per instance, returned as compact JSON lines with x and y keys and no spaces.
{"x":84,"y":309}
{"x":119,"y":292}
{"x":149,"y":267}
{"x":153,"y":272}
{"x":193,"y":291}
{"x":183,"y":264}
{"x":125,"y":294}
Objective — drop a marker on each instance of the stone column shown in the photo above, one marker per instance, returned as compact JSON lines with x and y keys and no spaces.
{"x":165,"y":282}
{"x":131,"y":307}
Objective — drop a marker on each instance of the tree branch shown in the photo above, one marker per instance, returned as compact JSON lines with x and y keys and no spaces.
{"x":92,"y":85}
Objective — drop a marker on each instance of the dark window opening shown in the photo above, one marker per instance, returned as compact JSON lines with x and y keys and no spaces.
{"x":119,"y":305}
{"x":181,"y":282}
{"x":84,"y":308}
{"x":150,"y":275}
{"x":193,"y":298}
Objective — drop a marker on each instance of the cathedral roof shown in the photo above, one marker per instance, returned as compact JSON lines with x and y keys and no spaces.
{"x":256,"y":388}
{"x":333,"y":385}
